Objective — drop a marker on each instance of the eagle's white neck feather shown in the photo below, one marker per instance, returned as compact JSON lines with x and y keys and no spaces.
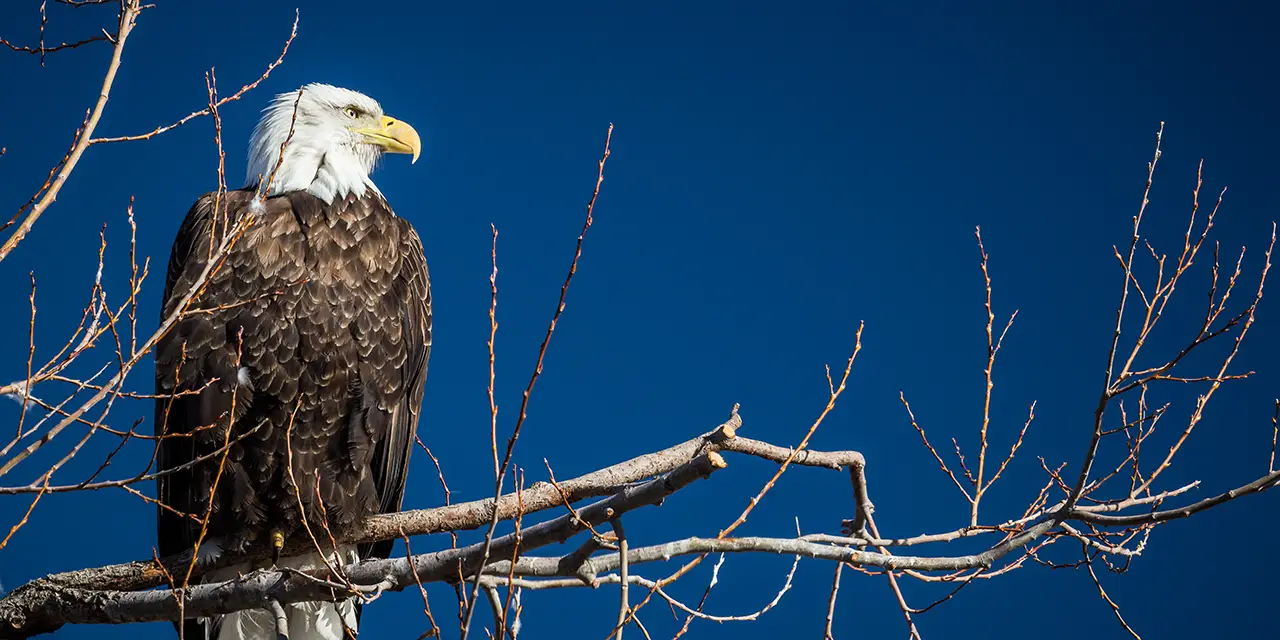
{"x":322,"y":155}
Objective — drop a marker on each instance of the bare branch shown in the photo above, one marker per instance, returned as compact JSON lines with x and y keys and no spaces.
{"x":44,"y":605}
{"x":293,"y":33}
{"x":129,"y":10}
{"x":537,"y":371}
{"x":1115,"y":608}
{"x":936,"y":456}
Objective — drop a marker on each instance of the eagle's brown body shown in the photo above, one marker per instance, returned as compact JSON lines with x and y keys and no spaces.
{"x":311,"y":337}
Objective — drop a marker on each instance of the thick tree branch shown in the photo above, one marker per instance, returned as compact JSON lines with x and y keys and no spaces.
{"x":463,"y":516}
{"x":45,"y":605}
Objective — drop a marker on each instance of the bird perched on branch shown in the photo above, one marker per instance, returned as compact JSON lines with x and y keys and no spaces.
{"x":291,"y":381}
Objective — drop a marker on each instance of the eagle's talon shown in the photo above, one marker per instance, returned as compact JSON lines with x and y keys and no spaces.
{"x":277,"y":545}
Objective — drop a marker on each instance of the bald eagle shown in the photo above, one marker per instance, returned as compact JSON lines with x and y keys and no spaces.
{"x":305,"y":352}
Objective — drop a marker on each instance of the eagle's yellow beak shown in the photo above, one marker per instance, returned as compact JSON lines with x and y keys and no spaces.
{"x":396,"y":136}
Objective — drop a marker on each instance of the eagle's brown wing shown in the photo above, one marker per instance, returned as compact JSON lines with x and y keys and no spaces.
{"x":412,"y":296}
{"x":308,"y":343}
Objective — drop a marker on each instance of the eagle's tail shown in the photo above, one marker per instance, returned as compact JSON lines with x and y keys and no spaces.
{"x":305,"y":620}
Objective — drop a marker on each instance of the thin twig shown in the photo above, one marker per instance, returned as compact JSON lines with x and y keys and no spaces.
{"x":1115,"y":608}
{"x":129,"y":10}
{"x":293,"y":33}
{"x":936,"y":456}
{"x":831,"y":602}
{"x":533,"y":379}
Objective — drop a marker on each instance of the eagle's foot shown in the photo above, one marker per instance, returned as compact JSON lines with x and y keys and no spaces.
{"x":277,"y":545}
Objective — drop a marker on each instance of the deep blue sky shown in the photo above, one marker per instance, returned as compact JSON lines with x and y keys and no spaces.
{"x":780,"y":172}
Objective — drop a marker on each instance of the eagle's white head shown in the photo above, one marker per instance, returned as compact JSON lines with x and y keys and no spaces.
{"x":338,"y":136}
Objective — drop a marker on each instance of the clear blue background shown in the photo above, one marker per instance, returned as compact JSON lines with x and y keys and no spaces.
{"x":780,"y":172}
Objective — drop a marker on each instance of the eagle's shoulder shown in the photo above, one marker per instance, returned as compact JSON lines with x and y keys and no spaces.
{"x":221,"y":208}
{"x":206,"y":224}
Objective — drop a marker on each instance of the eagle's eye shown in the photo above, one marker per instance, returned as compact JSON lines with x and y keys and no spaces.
{"x":351,"y":112}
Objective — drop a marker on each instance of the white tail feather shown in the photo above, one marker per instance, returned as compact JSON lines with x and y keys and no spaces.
{"x":306,"y":620}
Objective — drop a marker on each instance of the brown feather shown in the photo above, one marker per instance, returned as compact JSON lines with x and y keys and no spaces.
{"x":328,"y":309}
